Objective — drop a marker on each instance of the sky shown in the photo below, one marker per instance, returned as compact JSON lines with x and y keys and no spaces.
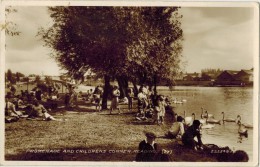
{"x":213,"y":38}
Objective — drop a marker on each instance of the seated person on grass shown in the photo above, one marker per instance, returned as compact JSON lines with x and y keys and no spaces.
{"x":39,"y":111}
{"x":190,"y":133}
{"x":240,"y":156}
{"x":177,"y":129}
{"x":11,"y":114}
{"x":147,"y":148}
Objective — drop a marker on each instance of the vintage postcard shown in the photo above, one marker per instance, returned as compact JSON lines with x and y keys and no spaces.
{"x":144,"y":83}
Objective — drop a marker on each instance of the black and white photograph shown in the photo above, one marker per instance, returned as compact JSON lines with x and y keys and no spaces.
{"x":134,"y":83}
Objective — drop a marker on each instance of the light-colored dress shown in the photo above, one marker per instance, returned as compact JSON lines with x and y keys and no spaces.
{"x":114,"y":102}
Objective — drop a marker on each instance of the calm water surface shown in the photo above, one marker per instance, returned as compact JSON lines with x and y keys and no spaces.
{"x":232,"y":101}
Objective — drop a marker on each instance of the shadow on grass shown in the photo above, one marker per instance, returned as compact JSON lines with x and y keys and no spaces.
{"x":142,"y":123}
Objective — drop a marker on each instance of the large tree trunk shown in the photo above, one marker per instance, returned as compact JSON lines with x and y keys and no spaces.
{"x":135,"y":88}
{"x":106,"y":92}
{"x":123,"y":85}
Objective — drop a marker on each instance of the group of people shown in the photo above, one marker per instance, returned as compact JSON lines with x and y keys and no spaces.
{"x":186,"y":133}
{"x":150,"y":105}
{"x":150,"y":151}
{"x":32,"y":110}
{"x":29,"y":104}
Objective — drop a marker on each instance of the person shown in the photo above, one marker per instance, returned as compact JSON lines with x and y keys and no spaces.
{"x":161,"y":105}
{"x":148,"y":148}
{"x":73,"y":97}
{"x":130,"y":96}
{"x":39,"y":111}
{"x":98,"y":97}
{"x":67,"y":100}
{"x":19,"y":104}
{"x":190,"y":133}
{"x":160,"y":110}
{"x":142,"y":100}
{"x":13,"y":89}
{"x":38,"y":94}
{"x":10,"y":110}
{"x":177,"y":129}
{"x":240,"y":156}
{"x":170,"y":110}
{"x":114,"y":101}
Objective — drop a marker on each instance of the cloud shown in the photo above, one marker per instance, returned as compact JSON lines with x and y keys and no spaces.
{"x":25,"y":53}
{"x":28,"y":21}
{"x":215,"y":40}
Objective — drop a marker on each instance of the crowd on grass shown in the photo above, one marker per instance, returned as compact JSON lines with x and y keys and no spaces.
{"x":150,"y":107}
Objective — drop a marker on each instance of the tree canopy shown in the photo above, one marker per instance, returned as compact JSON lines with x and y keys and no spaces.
{"x":138,"y":44}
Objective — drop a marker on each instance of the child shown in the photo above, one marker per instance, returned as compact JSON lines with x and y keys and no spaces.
{"x":130,"y":96}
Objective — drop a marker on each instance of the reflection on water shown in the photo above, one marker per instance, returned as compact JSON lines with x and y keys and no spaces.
{"x":232,"y":101}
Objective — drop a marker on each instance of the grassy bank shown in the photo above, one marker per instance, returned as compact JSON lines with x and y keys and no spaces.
{"x":87,"y":135}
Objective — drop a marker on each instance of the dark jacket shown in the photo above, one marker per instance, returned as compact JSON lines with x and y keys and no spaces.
{"x":189,"y":135}
{"x":147,"y":152}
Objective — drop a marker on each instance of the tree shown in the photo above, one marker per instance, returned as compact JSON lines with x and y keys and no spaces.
{"x":10,"y":77}
{"x":37,"y":79}
{"x":9,"y":26}
{"x":48,"y":80}
{"x":138,"y":44}
{"x":18,"y":75}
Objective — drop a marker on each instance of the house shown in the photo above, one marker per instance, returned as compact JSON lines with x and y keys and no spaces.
{"x":245,"y":76}
{"x":191,"y":77}
{"x":229,"y":77}
{"x":205,"y":77}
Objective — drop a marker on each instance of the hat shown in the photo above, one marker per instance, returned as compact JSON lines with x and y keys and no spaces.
{"x":150,"y":135}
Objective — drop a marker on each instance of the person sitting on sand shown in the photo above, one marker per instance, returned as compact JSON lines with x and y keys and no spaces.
{"x":148,"y":148}
{"x":177,"y":129}
{"x":190,"y":133}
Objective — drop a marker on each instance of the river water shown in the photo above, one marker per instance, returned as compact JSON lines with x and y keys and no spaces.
{"x":232,"y":101}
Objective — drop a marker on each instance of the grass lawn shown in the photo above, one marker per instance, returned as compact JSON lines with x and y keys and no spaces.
{"x":87,"y":135}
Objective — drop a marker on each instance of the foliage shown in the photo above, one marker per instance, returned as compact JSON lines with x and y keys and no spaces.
{"x":13,"y":77}
{"x":138,"y":44}
{"x":48,"y":80}
{"x":37,"y":79}
{"x":116,"y":41}
{"x":9,"y":26}
{"x":9,"y":76}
